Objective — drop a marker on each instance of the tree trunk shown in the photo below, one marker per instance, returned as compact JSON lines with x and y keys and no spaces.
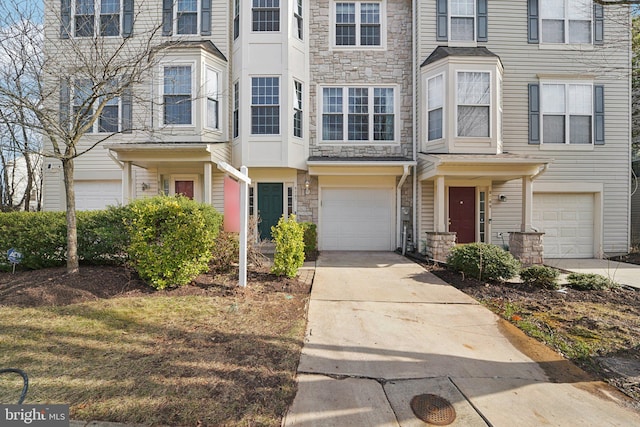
{"x":73,"y":264}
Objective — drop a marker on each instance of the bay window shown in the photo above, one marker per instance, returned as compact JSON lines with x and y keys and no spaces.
{"x":435,"y":104}
{"x":265,"y":105}
{"x":473,"y":98}
{"x":177,"y":95}
{"x":213,"y":107}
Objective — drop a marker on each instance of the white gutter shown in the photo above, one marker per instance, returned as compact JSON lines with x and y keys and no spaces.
{"x":399,"y":240}
{"x":118,"y":162}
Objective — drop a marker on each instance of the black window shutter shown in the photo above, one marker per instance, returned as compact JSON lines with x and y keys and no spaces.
{"x":598,"y":24}
{"x":442,"y":20}
{"x":534,"y":113}
{"x":205,"y":26}
{"x":598,"y":114}
{"x":127,"y":18}
{"x":65,"y":18}
{"x":532,"y":21}
{"x":167,"y":17}
{"x":127,"y":110}
{"x":65,"y":100}
{"x":482,"y":18}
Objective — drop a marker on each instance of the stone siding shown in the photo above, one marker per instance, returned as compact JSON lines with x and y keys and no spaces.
{"x":527,"y":247}
{"x":438,"y":245}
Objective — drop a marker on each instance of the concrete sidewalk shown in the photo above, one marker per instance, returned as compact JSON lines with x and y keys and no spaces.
{"x":382,"y":330}
{"x":620,"y":272}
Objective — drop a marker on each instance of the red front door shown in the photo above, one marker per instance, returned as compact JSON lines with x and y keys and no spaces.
{"x":185,"y":188}
{"x":462,"y":213}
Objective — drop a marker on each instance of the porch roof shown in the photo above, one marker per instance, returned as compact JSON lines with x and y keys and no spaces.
{"x":152,"y":154}
{"x":497,"y":167}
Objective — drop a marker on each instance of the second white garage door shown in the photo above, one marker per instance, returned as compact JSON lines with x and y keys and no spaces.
{"x":356,"y":219}
{"x":567,"y":221}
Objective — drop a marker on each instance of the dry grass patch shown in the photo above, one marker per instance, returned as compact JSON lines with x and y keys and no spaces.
{"x":160,"y":359}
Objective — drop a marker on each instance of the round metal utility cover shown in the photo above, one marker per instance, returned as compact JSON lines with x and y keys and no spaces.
{"x":433,"y":409}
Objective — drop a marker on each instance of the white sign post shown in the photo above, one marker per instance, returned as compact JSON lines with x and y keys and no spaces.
{"x":241,"y":175}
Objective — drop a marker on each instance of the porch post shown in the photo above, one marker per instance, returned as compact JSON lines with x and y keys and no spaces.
{"x":439,"y":208}
{"x":527,"y":204}
{"x":126,"y":182}
{"x":207,"y":182}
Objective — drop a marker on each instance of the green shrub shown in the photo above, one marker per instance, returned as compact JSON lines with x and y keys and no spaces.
{"x":483,"y":261}
{"x":39,"y":236}
{"x":225,"y":252}
{"x":590,"y":281}
{"x":102,"y":236}
{"x":310,"y":241}
{"x":171,"y":239}
{"x":289,"y":239}
{"x":540,"y":276}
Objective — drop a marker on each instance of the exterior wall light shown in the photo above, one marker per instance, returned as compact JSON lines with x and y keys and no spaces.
{"x":502,"y":198}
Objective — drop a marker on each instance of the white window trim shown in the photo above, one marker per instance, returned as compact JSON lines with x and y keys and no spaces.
{"x":474,"y":16}
{"x":491,"y":100}
{"x":444,"y":106}
{"x":96,"y":20}
{"x":566,"y":45}
{"x":280,"y":22}
{"x":566,"y":145}
{"x":345,"y":113}
{"x":357,"y":46}
{"x":251,"y":105}
{"x":198,"y":19}
{"x":194,"y":104}
{"x":218,"y":97}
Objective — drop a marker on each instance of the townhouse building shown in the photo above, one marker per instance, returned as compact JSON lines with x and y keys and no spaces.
{"x":385,"y":122}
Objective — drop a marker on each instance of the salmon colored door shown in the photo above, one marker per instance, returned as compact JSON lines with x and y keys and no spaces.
{"x":185,"y":188}
{"x":462,"y":213}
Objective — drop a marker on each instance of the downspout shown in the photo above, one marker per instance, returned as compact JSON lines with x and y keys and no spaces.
{"x":118,"y":162}
{"x":414,"y":59}
{"x":405,"y":174}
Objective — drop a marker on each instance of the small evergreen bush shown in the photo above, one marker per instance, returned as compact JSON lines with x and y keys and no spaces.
{"x":171,"y":239}
{"x":310,"y":241}
{"x":483,"y":261}
{"x":540,"y":276}
{"x":590,"y":281}
{"x":289,"y":239}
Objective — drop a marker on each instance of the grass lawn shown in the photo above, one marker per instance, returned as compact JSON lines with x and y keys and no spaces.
{"x":158,"y":358}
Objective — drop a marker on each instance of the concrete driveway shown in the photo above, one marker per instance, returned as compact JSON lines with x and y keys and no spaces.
{"x":382,"y":330}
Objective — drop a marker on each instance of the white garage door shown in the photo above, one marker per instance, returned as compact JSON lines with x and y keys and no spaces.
{"x":356,"y":219}
{"x":93,"y":195}
{"x":567,"y":221}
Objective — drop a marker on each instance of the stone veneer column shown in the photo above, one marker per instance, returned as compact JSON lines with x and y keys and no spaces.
{"x":527,"y":247}
{"x":439,"y":244}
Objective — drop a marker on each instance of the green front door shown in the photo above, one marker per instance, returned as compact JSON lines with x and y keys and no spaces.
{"x":270,"y":204}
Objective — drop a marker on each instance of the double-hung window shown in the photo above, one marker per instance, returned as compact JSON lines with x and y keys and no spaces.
{"x":567,"y":111}
{"x":566,"y":21}
{"x":213,"y":107}
{"x":358,"y":24}
{"x":462,"y":19}
{"x":297,"y":19}
{"x":266,"y":15}
{"x":177,"y":95}
{"x":297,"y":109}
{"x":110,"y":114}
{"x":82,"y":102}
{"x":97,"y":17}
{"x":236,"y":109}
{"x":110,"y":17}
{"x":187,"y":16}
{"x":236,"y":19}
{"x":435,"y":107}
{"x":358,"y":114}
{"x":473,"y":98}
{"x":85,"y":16}
{"x":265,"y":105}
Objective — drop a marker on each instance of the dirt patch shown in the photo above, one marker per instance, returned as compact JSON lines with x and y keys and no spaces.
{"x":54,"y":287}
{"x":597,"y":330}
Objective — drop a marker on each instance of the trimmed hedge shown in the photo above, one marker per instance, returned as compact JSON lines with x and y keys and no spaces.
{"x":483,"y":261}
{"x":171,"y":239}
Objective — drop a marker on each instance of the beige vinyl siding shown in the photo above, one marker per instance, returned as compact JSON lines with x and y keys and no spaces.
{"x":635,"y":219}
{"x":217,"y":191}
{"x":148,"y":177}
{"x":426,"y":212}
{"x":505,"y":216}
{"x":523,"y":63}
{"x":53,"y":194}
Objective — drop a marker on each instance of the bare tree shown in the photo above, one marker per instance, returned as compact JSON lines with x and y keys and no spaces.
{"x":65,"y":79}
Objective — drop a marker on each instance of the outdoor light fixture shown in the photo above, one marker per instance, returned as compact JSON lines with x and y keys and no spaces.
{"x":145,"y":186}
{"x":306,"y":186}
{"x":502,"y":198}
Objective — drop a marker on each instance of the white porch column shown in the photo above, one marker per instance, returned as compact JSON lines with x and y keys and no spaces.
{"x":439,"y":208}
{"x":126,"y":182}
{"x":527,"y":204}
{"x":207,"y":182}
